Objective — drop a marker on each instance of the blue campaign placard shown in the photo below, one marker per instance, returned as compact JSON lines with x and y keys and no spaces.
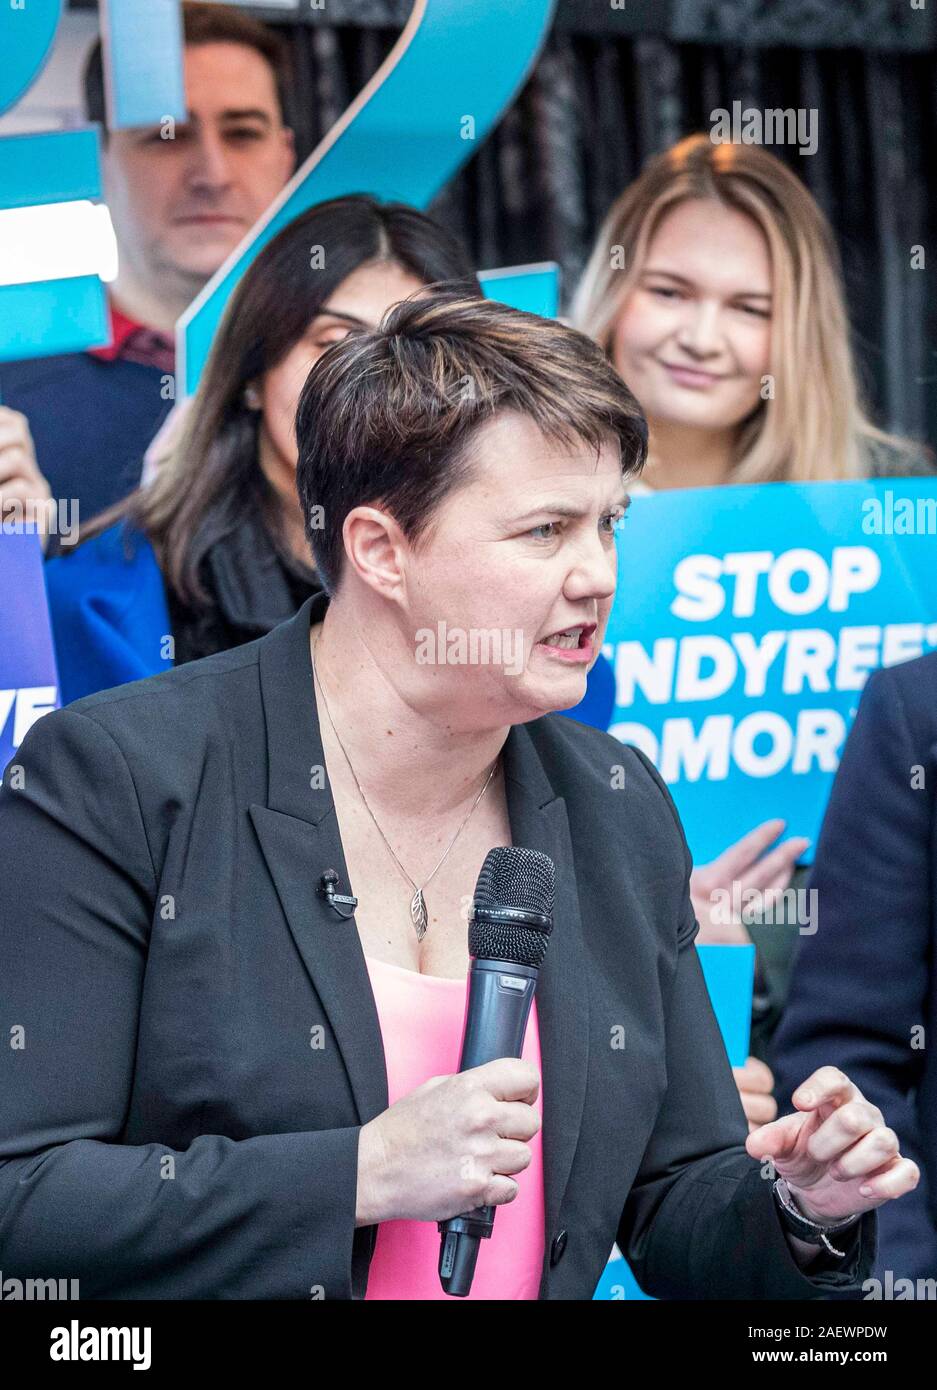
{"x":729,"y":972}
{"x":49,"y":316}
{"x":533,"y":288}
{"x":52,"y":166}
{"x":745,"y":624}
{"x":28,"y":680}
{"x":45,"y":316}
{"x":144,"y":73}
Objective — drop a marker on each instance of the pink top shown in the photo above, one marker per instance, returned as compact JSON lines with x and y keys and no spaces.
{"x":421,"y":1018}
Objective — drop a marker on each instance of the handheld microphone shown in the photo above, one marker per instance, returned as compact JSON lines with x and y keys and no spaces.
{"x":509,"y":930}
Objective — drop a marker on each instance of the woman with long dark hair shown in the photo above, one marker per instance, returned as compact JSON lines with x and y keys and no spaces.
{"x":212,"y":552}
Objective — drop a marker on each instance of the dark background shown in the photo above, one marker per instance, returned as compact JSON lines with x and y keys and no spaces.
{"x":613,"y":87}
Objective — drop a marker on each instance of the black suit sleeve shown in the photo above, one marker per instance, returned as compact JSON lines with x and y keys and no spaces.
{"x":267,"y":1217}
{"x":700,"y":1220}
{"x":860,"y":986}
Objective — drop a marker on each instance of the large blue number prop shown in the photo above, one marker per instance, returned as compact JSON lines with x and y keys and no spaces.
{"x":452,"y":72}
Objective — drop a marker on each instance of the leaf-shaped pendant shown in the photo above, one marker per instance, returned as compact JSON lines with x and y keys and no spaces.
{"x":418,"y":914}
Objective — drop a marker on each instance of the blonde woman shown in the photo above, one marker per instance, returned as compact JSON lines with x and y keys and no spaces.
{"x":714,"y":288}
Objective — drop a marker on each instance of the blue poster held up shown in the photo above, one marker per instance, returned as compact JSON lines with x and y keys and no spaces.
{"x":746,"y":622}
{"x":28,"y":680}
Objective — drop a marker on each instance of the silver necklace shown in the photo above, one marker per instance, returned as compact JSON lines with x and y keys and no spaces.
{"x":418,"y":913}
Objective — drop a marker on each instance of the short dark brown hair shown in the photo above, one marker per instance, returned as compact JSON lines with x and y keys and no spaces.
{"x":385,"y":418}
{"x":203,"y":24}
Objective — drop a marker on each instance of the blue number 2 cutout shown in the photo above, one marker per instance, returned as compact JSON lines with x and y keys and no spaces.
{"x":454,"y":69}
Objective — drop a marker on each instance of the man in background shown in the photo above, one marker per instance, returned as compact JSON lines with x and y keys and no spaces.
{"x":181,"y":199}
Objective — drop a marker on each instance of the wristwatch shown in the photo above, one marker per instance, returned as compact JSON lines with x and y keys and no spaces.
{"x":813,"y":1232}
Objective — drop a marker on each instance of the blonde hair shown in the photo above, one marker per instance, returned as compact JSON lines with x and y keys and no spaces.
{"x":815,"y":427}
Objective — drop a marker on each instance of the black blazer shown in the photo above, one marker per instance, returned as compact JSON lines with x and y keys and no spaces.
{"x":867,"y":982}
{"x":166,"y":1128}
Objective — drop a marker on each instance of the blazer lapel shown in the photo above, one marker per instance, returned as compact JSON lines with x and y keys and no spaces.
{"x":297,"y":853}
{"x":299,"y":837}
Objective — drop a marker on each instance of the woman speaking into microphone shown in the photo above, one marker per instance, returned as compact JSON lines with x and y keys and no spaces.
{"x":223,"y":1082}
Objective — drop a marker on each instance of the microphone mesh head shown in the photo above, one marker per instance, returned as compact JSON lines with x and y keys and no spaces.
{"x":522,"y":880}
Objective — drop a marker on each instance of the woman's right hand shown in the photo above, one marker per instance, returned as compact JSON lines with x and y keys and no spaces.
{"x":450,"y":1145}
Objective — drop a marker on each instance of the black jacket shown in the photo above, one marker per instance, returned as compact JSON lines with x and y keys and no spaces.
{"x":251,"y":584}
{"x":864,"y":988}
{"x":166,"y":1130}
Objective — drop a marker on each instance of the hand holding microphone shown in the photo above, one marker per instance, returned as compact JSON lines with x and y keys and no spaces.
{"x":450,"y":1145}
{"x":509,"y":931}
{"x":447,"y":1151}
